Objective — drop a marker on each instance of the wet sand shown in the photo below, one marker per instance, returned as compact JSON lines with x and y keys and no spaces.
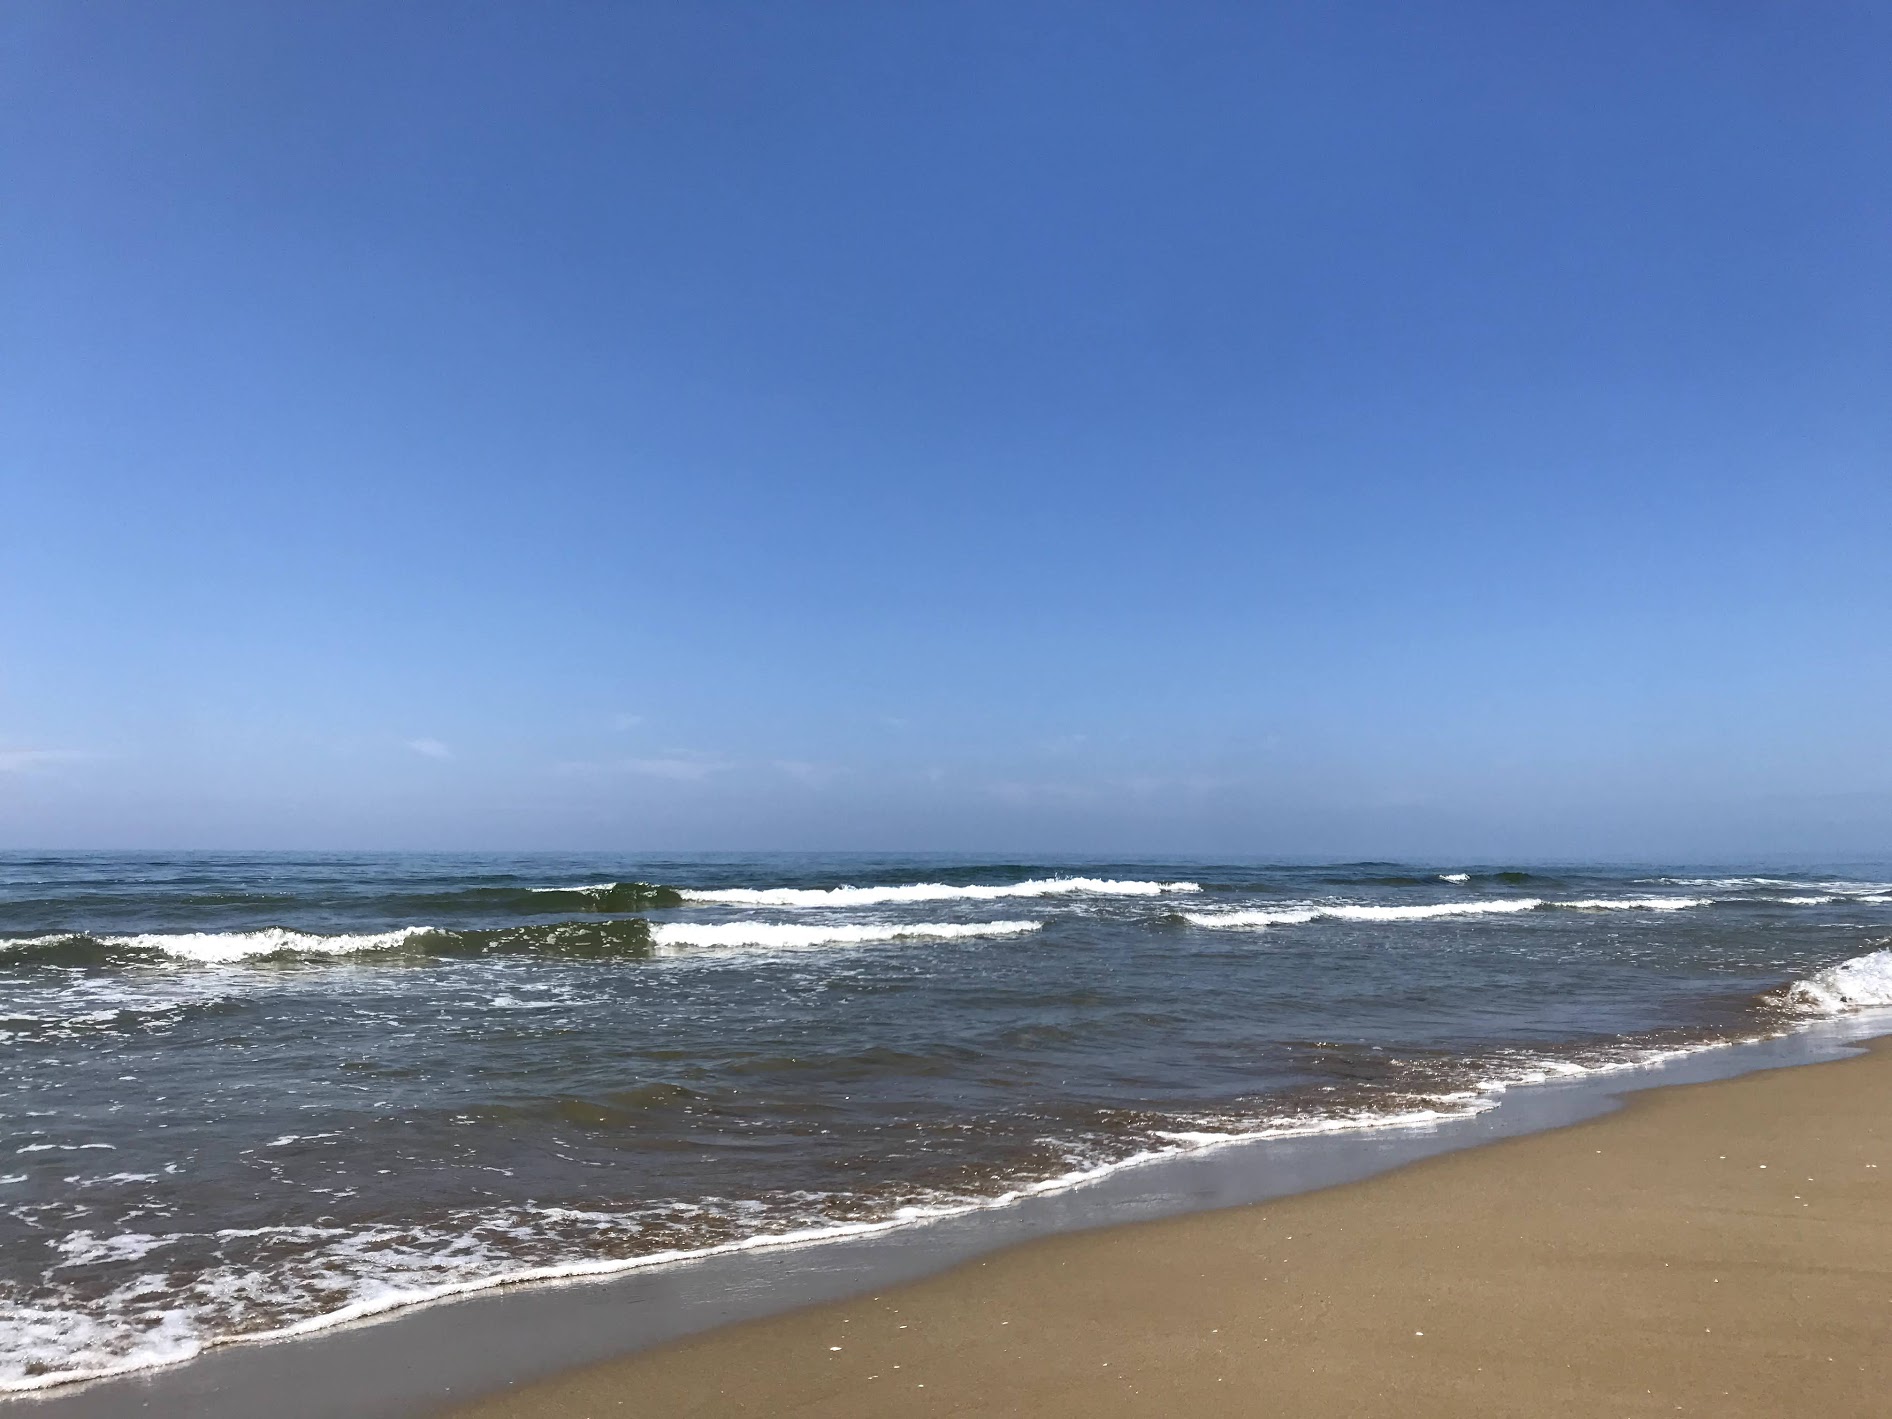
{"x":1721,"y":1248}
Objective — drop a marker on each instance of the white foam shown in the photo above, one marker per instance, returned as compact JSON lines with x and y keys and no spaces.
{"x":1634,"y":904}
{"x":1455,"y":876}
{"x":732,"y":934}
{"x":931,"y":892}
{"x":1544,"y":1071}
{"x":38,"y":1336}
{"x":44,"y":1348}
{"x":66,"y":1147}
{"x":81,"y":1248}
{"x":1860,"y":983}
{"x":1833,"y":889}
{"x":222,"y":947}
{"x":1287,"y":917}
{"x":1294,"y":916}
{"x":1501,"y":906}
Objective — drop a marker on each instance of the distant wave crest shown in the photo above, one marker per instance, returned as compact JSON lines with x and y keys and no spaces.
{"x":678,"y":936}
{"x":605,"y":897}
{"x":929,"y":892}
{"x":1432,"y":911}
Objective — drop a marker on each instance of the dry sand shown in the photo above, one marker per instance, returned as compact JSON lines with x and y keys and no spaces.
{"x":1720,"y":1249}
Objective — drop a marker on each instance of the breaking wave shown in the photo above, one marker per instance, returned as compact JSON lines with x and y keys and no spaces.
{"x":930,"y":892}
{"x":1857,"y":984}
{"x":609,"y":939}
{"x":676,"y":936}
{"x":603,"y":897}
{"x":205,"y":947}
{"x":1432,"y":911}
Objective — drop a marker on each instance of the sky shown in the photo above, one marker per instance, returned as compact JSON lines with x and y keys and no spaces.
{"x":1293,"y":430}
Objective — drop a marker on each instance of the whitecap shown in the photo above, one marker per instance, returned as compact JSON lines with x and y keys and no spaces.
{"x":1344,"y":911}
{"x":1432,"y":911}
{"x":930,"y":892}
{"x":1860,"y":983}
{"x":731,"y":934}
{"x":221,"y":947}
{"x":1634,"y":904}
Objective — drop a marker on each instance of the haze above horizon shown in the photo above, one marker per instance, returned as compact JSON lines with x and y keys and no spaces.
{"x":1354,"y":431}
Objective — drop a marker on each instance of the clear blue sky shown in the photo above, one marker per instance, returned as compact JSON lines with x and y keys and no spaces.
{"x":1306,"y":429}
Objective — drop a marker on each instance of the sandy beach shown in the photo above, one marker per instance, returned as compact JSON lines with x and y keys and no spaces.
{"x":1723,"y":1248}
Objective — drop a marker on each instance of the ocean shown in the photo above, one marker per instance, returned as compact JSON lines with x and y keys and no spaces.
{"x":250,"y":1095}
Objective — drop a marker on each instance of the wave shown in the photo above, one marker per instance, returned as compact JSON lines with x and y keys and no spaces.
{"x":1505,"y":906}
{"x":628,"y":939}
{"x":1417,"y":878}
{"x":222,"y":947}
{"x":1857,"y":984}
{"x":279,"y":945}
{"x":1835,"y":888}
{"x":929,"y":892}
{"x":1877,"y":899}
{"x":104,"y":911}
{"x":1634,"y":904}
{"x":605,"y":897}
{"x":207,"y":947}
{"x":677,"y":936}
{"x":1295,"y":916}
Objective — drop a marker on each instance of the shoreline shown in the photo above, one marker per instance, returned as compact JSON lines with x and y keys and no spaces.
{"x":1722,"y":1248}
{"x":415,"y":1360}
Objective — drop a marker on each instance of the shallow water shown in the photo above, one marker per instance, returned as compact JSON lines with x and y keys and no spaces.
{"x":250,"y":1093}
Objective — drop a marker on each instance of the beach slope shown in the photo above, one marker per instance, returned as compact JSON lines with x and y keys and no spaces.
{"x":1722,"y":1248}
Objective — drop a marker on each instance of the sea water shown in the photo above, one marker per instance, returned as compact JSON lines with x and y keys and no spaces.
{"x":250,"y":1095}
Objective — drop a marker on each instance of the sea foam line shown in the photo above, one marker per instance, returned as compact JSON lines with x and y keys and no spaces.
{"x":1504,"y":906}
{"x":929,"y":892}
{"x":175,"y":1349}
{"x":679,"y":935}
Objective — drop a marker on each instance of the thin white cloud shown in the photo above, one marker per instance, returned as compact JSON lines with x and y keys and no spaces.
{"x":812,"y":774}
{"x":624,"y":722}
{"x":681,"y":769}
{"x":19,"y":761}
{"x":1044,"y":794}
{"x":430,"y":748}
{"x":679,"y":766}
{"x":1038,"y":795}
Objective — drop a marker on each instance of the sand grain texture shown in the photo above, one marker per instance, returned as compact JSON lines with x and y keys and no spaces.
{"x":1719,"y":1249}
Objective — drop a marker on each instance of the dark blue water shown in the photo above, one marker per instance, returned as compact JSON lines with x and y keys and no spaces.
{"x":250,"y":1093}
